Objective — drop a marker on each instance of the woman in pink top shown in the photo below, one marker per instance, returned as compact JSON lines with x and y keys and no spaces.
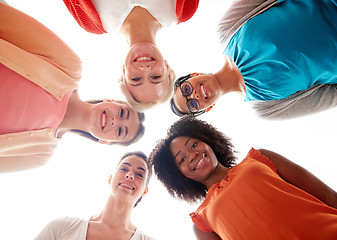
{"x":266,"y":196}
{"x":39,"y":100}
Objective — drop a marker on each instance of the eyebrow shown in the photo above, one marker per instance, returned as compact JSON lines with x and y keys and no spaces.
{"x":184,"y":145}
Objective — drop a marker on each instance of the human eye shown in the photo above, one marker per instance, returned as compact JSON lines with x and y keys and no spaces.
{"x":136,"y":79}
{"x":119,"y":132}
{"x":181,"y":160}
{"x":194,"y":145}
{"x":155,"y":77}
{"x":123,"y":169}
{"x":186,"y":89}
{"x":140,"y":175}
{"x":121,"y":114}
{"x":193,"y":105}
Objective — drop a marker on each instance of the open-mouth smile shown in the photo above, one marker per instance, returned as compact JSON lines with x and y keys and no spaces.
{"x":127,"y":186}
{"x":144,"y":58}
{"x":200,"y":162}
{"x":204,"y":91}
{"x":103,"y":120}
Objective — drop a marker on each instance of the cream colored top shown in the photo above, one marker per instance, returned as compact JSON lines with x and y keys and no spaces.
{"x":35,"y":52}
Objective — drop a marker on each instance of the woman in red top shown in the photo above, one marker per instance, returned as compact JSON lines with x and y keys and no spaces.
{"x":266,"y":196}
{"x":147,"y":78}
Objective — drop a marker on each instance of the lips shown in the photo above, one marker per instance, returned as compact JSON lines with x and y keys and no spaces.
{"x":126,"y":186}
{"x":103,"y":120}
{"x":199,"y":161}
{"x":144,"y":58}
{"x":204,"y":91}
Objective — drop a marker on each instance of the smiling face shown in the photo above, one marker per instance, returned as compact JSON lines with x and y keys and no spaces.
{"x":146,"y":73}
{"x":113,"y":121}
{"x":206,"y":89}
{"x":129,"y":181}
{"x":194,"y":158}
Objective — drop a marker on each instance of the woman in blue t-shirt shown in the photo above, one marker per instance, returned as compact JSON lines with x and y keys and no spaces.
{"x":279,"y":55}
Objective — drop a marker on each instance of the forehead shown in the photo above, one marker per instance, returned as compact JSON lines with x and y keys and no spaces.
{"x":179,"y":142}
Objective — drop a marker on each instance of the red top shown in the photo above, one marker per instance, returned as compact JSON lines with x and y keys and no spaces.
{"x":254,"y":202}
{"x":88,"y":18}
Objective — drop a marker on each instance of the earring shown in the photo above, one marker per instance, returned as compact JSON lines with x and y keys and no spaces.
{"x":195,"y":74}
{"x":210,"y":107}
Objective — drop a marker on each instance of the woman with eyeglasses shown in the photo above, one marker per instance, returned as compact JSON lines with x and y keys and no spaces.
{"x":39,"y":101}
{"x":129,"y":184}
{"x":279,"y":56}
{"x":147,"y":78}
{"x":266,"y":196}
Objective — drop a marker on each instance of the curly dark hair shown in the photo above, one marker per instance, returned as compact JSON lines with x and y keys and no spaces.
{"x":164,"y":164}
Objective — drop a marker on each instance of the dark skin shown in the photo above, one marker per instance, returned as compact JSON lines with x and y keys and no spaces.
{"x":295,"y":175}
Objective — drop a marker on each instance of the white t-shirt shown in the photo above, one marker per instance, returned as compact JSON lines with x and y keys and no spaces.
{"x":70,"y":228}
{"x":113,"y":13}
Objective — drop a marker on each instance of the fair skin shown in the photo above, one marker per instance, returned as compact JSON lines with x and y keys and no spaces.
{"x":145,"y":69}
{"x":127,"y":185}
{"x":109,"y":121}
{"x":207,"y":89}
{"x":187,"y":153}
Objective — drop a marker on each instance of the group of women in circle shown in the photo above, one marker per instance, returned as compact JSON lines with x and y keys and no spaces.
{"x":272,"y":58}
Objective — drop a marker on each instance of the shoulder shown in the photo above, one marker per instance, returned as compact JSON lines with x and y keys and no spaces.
{"x":139,"y":235}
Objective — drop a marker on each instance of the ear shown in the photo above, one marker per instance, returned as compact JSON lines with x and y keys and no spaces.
{"x":110,"y":178}
{"x":209,"y":108}
{"x":166,"y":64}
{"x":145,"y":191}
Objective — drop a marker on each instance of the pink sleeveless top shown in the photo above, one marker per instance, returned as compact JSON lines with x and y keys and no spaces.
{"x":26,"y":106}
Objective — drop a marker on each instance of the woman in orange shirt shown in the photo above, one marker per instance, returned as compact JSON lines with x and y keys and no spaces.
{"x":266,"y":196}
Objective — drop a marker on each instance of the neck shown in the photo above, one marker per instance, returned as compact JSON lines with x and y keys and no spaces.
{"x":230,"y":78}
{"x":75,"y":117}
{"x":140,"y":26}
{"x":219,"y":173}
{"x":116,"y":214}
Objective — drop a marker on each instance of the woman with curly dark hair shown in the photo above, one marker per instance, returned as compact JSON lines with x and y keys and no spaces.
{"x":263,"y":197}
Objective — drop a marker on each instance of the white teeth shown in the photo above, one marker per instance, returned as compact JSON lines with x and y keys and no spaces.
{"x":203,"y":91}
{"x":142,"y":59}
{"x":201,"y":161}
{"x":126,"y":185}
{"x":103,"y":120}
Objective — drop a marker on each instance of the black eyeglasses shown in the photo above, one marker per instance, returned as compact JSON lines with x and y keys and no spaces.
{"x":186,"y":90}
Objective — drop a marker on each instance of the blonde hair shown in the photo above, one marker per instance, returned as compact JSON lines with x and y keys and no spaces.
{"x":139,"y":106}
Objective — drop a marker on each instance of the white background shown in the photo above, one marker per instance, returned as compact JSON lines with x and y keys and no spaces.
{"x":74,"y":182}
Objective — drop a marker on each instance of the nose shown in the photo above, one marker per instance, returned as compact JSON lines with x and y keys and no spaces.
{"x":192,"y":156}
{"x":194,"y":95}
{"x":129,"y":175}
{"x":144,"y":67}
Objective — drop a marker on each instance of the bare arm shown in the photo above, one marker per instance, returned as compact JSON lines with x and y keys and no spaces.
{"x":301,"y":178}
{"x":201,"y":235}
{"x":33,"y":37}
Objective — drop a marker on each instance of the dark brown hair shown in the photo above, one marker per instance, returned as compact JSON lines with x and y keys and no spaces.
{"x":166,"y":169}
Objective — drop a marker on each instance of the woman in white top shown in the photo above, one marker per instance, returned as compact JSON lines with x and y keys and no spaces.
{"x":128,"y":186}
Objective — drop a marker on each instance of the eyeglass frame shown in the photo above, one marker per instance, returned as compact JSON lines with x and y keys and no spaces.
{"x":178,"y":83}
